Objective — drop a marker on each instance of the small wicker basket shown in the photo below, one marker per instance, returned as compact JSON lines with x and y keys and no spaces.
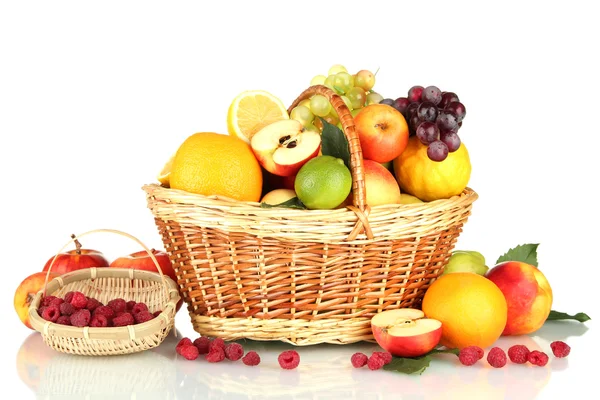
{"x":304,"y":276}
{"x":158,"y":291}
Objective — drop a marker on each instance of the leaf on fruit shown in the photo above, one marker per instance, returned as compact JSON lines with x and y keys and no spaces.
{"x":559,"y":316}
{"x":294,"y":202}
{"x":526,"y":253}
{"x":334,"y":142}
{"x":415,"y":365}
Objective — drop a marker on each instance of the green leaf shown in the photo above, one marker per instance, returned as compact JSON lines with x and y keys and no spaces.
{"x":334,"y":142}
{"x":558,"y":316}
{"x":415,"y":365}
{"x":526,"y":253}
{"x":294,"y":202}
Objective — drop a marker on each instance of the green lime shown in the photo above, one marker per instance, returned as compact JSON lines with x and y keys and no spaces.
{"x":323,"y":183}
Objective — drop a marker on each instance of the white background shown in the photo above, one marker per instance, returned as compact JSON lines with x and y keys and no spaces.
{"x":95,"y":97}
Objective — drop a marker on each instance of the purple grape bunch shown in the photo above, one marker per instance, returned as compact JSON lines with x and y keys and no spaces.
{"x":434,"y":117}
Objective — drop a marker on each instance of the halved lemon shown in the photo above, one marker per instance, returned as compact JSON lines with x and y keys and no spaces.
{"x":251,"y":111}
{"x":165,"y":174}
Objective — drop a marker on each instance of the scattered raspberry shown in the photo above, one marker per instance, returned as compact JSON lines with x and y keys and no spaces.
{"x":157,"y":313}
{"x":289,"y":359}
{"x":203,"y":344}
{"x":518,"y":354}
{"x":560,"y":349}
{"x":81,"y":317}
{"x":64,"y":320}
{"x":469,"y":355}
{"x":143,"y":316}
{"x":233,"y":351}
{"x":183,"y":342}
{"x":359,"y":360}
{"x":47,"y":300}
{"x":66,"y":309}
{"x":387,"y":356}
{"x":51,"y":313}
{"x":79,"y":300}
{"x":92,"y":304}
{"x":106,"y":311}
{"x":251,"y":358}
{"x":99,"y":321}
{"x":123,"y":320}
{"x":130,"y":305}
{"x":375,"y":362}
{"x":189,"y":352}
{"x":478,"y":350}
{"x":496,"y":357}
{"x":118,"y":305}
{"x":217,"y":342}
{"x":139,"y":307}
{"x":69,"y":296}
{"x":538,"y":358}
{"x":216,"y":354}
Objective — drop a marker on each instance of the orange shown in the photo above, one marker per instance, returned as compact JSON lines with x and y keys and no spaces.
{"x":209,"y":163}
{"x":472,"y":309}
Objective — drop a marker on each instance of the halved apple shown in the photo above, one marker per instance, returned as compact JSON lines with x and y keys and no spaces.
{"x":406,"y":332}
{"x":284,"y":146}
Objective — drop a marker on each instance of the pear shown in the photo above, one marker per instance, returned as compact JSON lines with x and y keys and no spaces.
{"x":466,"y":261}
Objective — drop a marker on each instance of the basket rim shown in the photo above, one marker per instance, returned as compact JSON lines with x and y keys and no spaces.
{"x":130,"y":332}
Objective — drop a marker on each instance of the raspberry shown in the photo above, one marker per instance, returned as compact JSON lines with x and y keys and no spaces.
{"x":79,"y":300}
{"x":538,"y":358}
{"x":183,"y":342}
{"x":69,"y":296}
{"x":518,"y":354}
{"x":105,"y":310}
{"x":139,"y":307}
{"x":468,"y":356}
{"x":251,"y":358}
{"x":47,"y":300}
{"x":496,"y":357}
{"x":118,"y":305}
{"x":99,"y":321}
{"x":41,"y":310}
{"x":560,"y":349}
{"x":234,"y":351}
{"x":189,"y":352}
{"x":57,"y":301}
{"x":123,"y":320}
{"x":289,"y":359}
{"x":130,"y":305}
{"x":216,"y":354}
{"x":157,"y":313}
{"x":64,"y":320}
{"x":51,"y":313}
{"x":375,"y":362}
{"x":92,"y":304}
{"x":478,"y":351}
{"x":203,"y":344}
{"x":67,"y":309}
{"x":387,"y":356}
{"x":143,"y":316}
{"x":81,"y":317}
{"x":217,"y":342}
{"x":359,"y":360}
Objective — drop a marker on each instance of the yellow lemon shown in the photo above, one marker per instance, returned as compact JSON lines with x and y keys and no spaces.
{"x":251,"y":111}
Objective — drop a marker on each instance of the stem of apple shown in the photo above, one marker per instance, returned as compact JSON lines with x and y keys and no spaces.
{"x":77,"y":244}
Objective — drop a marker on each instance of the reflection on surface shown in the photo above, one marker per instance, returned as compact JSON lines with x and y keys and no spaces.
{"x":324,"y":372}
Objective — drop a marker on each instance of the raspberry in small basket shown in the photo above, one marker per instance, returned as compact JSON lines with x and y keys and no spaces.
{"x":560,"y":349}
{"x":64,"y":320}
{"x":57,"y":301}
{"x":79,"y":300}
{"x":106,"y":311}
{"x":386,"y":355}
{"x":518,"y":353}
{"x":538,"y":358}
{"x":233,"y":351}
{"x":183,"y":342}
{"x":67,"y":309}
{"x":123,"y":320}
{"x":189,"y":352}
{"x":289,"y":359}
{"x":203,"y":344}
{"x":359,"y":360}
{"x":375,"y":362}
{"x":216,"y":354}
{"x":496,"y":357}
{"x":157,"y":313}
{"x":47,"y":300}
{"x":69,"y":296}
{"x":92,"y":304}
{"x":118,"y":305}
{"x":143,"y":316}
{"x":139,"y":307}
{"x":470,"y":355}
{"x":130,"y":305}
{"x":81,"y":317}
{"x":51,"y":313}
{"x":217,"y":342}
{"x":251,"y":359}
{"x":99,"y":321}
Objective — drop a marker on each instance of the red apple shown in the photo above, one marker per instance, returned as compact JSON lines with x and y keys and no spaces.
{"x":380,"y":184}
{"x":26,"y":291}
{"x":76,"y":259}
{"x":382,"y":131}
{"x":284,"y":146}
{"x":406,"y":332}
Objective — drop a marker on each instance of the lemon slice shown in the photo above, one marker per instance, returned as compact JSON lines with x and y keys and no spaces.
{"x":165,"y":174}
{"x":251,"y":111}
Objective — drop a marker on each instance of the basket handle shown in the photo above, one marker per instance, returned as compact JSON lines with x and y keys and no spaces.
{"x":74,"y":238}
{"x":359,"y":193}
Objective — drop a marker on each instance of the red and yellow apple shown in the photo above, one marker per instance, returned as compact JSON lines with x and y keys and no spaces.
{"x":73,"y":260}
{"x":405,"y":332}
{"x":528,"y":296}
{"x":382,"y":131}
{"x":278,"y":196}
{"x":380,"y":184}
{"x":26,"y":291}
{"x":283,"y":147}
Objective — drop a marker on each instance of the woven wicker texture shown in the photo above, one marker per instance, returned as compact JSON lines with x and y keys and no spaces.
{"x":303,"y":276}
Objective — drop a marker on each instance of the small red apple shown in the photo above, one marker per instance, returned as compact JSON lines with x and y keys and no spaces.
{"x":79,"y":258}
{"x":405,"y":332}
{"x":382,"y":131}
{"x":26,"y":291}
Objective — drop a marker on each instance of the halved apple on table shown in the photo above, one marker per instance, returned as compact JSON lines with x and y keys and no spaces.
{"x":406,"y":332}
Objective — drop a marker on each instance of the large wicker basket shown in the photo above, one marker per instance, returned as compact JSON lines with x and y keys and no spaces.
{"x":304,"y":276}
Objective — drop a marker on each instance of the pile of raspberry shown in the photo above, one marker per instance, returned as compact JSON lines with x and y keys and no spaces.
{"x":518,"y":354}
{"x":216,"y":350}
{"x":376,"y":361}
{"x":76,"y":309}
